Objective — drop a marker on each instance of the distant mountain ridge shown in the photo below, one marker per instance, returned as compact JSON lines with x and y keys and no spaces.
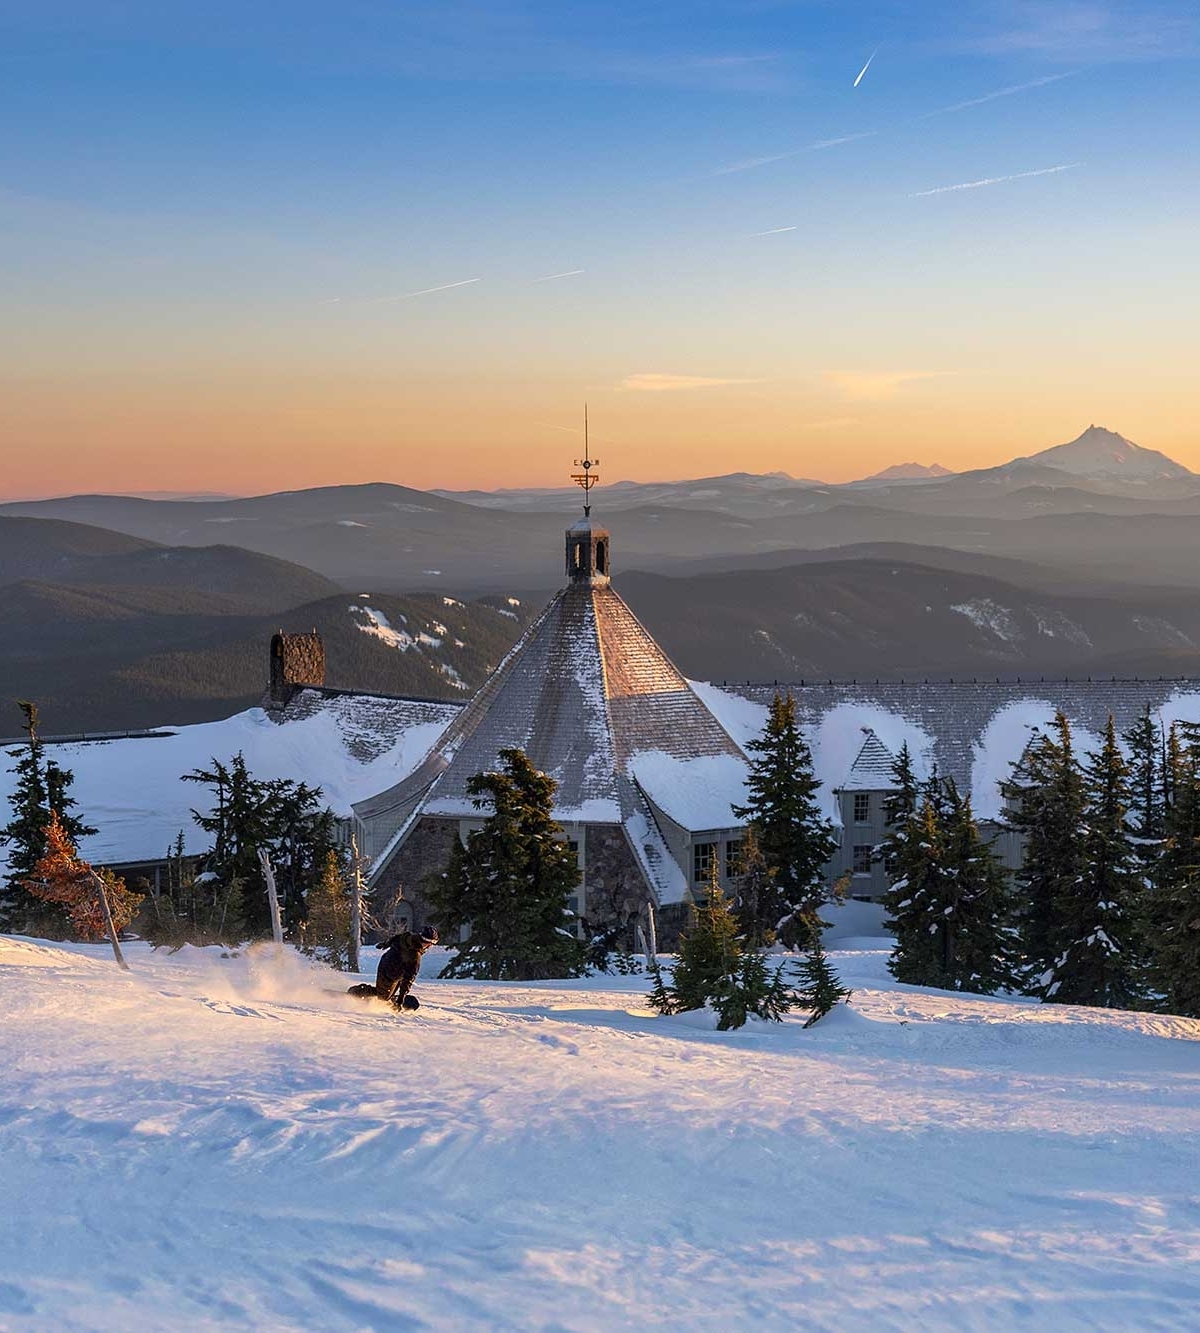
{"x":910,"y":472}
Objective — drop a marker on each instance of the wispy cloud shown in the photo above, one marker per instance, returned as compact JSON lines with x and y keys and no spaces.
{"x":1001,"y":92}
{"x":874,"y":385}
{"x":867,"y":66}
{"x":425,"y":291}
{"x":658,"y":383}
{"x":773,"y":231}
{"x":994,"y":180}
{"x":819,"y":146}
{"x":568,"y":273}
{"x":1092,"y":30}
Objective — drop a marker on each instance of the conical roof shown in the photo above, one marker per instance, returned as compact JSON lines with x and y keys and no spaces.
{"x":872,"y":769}
{"x":584,"y":691}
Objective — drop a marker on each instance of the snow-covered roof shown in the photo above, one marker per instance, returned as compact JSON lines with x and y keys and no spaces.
{"x":698,"y":794}
{"x":972,"y":730}
{"x":131,"y":789}
{"x":583,"y":693}
{"x":872,"y":770}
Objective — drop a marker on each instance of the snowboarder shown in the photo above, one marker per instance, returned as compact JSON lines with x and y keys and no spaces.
{"x":398,"y":968}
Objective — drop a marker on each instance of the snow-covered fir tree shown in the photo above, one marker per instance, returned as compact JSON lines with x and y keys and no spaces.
{"x":42,"y":789}
{"x":950,"y":903}
{"x":1173,"y":904}
{"x":795,"y":838}
{"x":1045,"y":800}
{"x":509,"y":885}
{"x":1102,"y":963}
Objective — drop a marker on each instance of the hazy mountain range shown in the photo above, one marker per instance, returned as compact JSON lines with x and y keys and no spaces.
{"x":122,"y":611}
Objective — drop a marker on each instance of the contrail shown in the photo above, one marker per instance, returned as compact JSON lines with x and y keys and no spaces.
{"x":994,"y":180}
{"x":1001,"y":92}
{"x":866,"y":67}
{"x":570,"y":273}
{"x":816,"y":147}
{"x":772,"y":231}
{"x":425,"y":291}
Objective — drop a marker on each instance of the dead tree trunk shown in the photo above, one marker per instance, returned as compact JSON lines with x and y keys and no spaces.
{"x":102,"y":893}
{"x":356,"y":897}
{"x":264,"y":859}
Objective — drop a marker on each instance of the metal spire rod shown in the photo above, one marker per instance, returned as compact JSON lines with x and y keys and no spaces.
{"x":586,"y":479}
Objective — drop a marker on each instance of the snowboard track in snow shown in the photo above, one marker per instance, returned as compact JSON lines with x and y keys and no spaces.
{"x":224,"y":1143}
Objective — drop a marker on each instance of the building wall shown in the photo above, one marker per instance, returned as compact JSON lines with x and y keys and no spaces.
{"x":399,"y":896}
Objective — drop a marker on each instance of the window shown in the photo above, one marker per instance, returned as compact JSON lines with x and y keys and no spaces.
{"x":733,"y":858}
{"x":862,"y":807}
{"x":601,"y":558}
{"x":863,"y":852}
{"x":703,"y":855}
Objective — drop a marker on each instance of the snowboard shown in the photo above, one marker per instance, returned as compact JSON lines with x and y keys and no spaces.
{"x":367,"y":992}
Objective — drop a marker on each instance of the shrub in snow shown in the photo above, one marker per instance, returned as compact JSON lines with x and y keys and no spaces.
{"x":713,"y":968}
{"x":509,"y":885}
{"x":61,"y":876}
{"x":819,"y":988}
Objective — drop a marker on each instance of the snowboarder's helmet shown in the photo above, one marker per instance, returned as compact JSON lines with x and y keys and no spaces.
{"x":429,"y":933}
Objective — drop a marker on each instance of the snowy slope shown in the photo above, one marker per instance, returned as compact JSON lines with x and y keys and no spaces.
{"x":222,"y":1144}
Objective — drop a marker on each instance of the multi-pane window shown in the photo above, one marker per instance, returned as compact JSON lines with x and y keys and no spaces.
{"x":703,"y":855}
{"x":863,"y":853}
{"x":733,"y":859}
{"x":862,"y":807}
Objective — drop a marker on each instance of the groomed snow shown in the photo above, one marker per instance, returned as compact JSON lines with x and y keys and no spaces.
{"x":231,"y":1144}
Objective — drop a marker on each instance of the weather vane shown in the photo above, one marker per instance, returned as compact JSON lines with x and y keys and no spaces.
{"x":587,"y":478}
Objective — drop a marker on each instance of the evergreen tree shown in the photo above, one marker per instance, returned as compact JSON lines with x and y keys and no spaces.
{"x":819,"y":988}
{"x":796,"y":840}
{"x":509,"y":885}
{"x":42,"y":789}
{"x":1147,"y":814}
{"x":950,"y":905}
{"x":899,"y":805}
{"x":714,"y":968}
{"x":758,"y":902}
{"x":1173,"y":915}
{"x":282,"y":817}
{"x":710,"y":950}
{"x":327,"y":929}
{"x":1046,"y":805}
{"x":1101,"y":963}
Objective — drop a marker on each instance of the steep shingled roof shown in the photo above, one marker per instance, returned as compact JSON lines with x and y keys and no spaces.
{"x":585,"y":690}
{"x":872,"y":770}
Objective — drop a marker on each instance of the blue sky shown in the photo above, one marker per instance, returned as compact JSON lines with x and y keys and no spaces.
{"x":217,"y":216}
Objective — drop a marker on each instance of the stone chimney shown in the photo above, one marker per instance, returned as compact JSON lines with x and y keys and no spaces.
{"x":296,"y":660}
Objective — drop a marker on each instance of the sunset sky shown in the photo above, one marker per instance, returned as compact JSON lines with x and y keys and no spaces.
{"x":252,"y":246}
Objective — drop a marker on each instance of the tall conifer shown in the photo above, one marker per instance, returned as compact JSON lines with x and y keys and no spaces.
{"x":1173,"y":914}
{"x":509,"y":886}
{"x":1045,"y":796}
{"x":1101,"y":962}
{"x":796,"y":840}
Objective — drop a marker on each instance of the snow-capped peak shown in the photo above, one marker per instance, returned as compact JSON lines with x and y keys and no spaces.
{"x":1103,"y":455}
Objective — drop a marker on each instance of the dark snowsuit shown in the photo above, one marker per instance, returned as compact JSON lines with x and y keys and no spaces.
{"x":398,"y":968}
